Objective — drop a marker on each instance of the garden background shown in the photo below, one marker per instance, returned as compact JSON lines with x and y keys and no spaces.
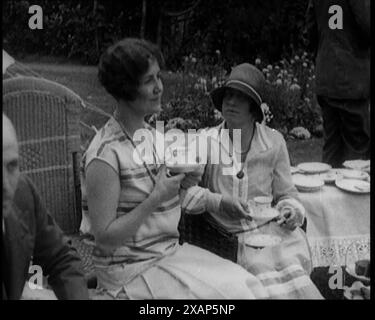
{"x":200,"y":39}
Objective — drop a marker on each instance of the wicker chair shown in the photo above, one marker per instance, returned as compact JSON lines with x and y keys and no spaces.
{"x":46,"y":117}
{"x":197,"y":230}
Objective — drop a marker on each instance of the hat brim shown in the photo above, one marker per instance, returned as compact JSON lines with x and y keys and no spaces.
{"x":217,"y":96}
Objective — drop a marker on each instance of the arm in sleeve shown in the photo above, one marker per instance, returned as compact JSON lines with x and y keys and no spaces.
{"x":282,"y":183}
{"x":362,"y":14}
{"x":284,"y":191}
{"x":55,"y":254}
{"x":196,"y":200}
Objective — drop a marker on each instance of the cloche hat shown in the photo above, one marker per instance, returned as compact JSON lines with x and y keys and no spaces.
{"x":246,"y":78}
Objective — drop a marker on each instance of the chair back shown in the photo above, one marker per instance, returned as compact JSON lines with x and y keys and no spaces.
{"x":197,"y":230}
{"x":46,"y":118}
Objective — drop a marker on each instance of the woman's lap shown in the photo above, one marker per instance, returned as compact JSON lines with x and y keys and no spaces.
{"x":283,"y":269}
{"x":293,"y":249}
{"x":194,"y":273}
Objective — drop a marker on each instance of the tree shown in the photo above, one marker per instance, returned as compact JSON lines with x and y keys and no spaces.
{"x":144,"y":17}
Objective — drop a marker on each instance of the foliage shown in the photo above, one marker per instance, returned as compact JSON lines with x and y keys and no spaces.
{"x":200,"y":47}
{"x":71,"y":29}
{"x":289,"y":95}
{"x":81,"y":29}
{"x":190,"y":105}
{"x":241,"y":30}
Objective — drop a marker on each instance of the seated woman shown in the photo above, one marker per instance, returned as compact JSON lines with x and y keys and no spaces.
{"x":134,"y":207}
{"x":258,"y":166}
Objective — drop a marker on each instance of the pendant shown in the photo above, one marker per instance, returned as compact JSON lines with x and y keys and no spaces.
{"x":240,"y":174}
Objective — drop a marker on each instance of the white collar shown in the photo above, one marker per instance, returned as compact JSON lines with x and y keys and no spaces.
{"x":261,"y":137}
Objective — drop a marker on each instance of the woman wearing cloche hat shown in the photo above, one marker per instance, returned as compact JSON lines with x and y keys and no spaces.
{"x":259,"y":167}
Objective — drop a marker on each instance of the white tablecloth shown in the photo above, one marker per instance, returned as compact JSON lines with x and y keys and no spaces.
{"x":338,"y":223}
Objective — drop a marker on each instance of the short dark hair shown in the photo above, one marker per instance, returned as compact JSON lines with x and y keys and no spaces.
{"x":123,"y":64}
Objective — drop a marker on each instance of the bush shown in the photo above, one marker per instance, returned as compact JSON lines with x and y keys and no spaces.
{"x":189,"y":104}
{"x":289,"y":94}
{"x":290,"y":91}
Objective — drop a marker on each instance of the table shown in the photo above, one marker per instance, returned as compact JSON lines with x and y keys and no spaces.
{"x":337,"y":221}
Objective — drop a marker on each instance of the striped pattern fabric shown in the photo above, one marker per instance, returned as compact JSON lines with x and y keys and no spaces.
{"x":159,"y":229}
{"x":46,"y":118}
{"x":284,"y":268}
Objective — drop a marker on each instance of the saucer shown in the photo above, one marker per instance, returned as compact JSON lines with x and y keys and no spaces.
{"x":353,"y":174}
{"x":265,"y":215}
{"x":353,"y":185}
{"x":262,"y":240}
{"x":357,"y":164}
{"x":314,"y":167}
{"x":306,"y":183}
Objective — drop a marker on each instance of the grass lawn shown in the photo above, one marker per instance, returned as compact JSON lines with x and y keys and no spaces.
{"x":83,"y":80}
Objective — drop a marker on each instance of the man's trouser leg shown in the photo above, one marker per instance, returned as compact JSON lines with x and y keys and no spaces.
{"x":346,"y":130}
{"x":333,"y":148}
{"x":355,"y":119}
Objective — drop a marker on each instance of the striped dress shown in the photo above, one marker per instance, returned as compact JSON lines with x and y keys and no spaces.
{"x":151,"y":263}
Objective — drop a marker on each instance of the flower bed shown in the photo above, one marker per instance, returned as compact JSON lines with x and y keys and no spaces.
{"x":289,"y":95}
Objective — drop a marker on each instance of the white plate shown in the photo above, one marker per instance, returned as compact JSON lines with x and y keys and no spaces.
{"x":307,"y":183}
{"x":353,"y":185}
{"x":353,"y":174}
{"x":351,"y":270}
{"x":266,"y":215}
{"x":357,"y":164}
{"x":262,"y":240}
{"x":314,"y":167}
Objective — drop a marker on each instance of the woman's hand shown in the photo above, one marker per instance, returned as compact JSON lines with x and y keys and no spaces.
{"x":166,"y":187}
{"x":234,"y":208}
{"x":292,"y":213}
{"x":103,"y":191}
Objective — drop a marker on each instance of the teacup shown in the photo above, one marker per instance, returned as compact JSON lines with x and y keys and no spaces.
{"x":261,"y":206}
{"x":180,"y":160}
{"x":262,"y":203}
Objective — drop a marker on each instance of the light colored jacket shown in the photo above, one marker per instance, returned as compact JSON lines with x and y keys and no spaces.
{"x":266,"y":173}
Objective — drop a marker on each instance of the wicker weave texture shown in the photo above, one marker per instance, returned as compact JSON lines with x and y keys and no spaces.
{"x":195,"y":229}
{"x":46,"y":118}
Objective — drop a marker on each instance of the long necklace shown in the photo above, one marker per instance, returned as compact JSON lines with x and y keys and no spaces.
{"x":135,"y":147}
{"x":247,"y":149}
{"x":240,"y":174}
